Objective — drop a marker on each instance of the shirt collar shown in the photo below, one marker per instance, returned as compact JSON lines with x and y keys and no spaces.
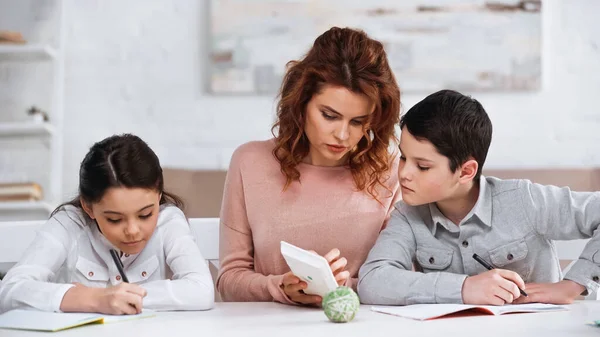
{"x":482,"y":210}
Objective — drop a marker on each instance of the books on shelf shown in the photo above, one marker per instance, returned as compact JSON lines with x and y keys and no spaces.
{"x":20,"y":192}
{"x":11,"y":37}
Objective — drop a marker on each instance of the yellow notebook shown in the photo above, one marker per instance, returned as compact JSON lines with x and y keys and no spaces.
{"x":54,"y":321}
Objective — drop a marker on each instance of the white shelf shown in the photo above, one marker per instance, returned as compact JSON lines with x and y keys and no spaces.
{"x":30,"y":206}
{"x":15,"y":129}
{"x":26,"y":53}
{"x":51,"y":54}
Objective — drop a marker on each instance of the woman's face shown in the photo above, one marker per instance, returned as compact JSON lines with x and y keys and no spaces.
{"x":127,"y":217}
{"x":335,"y":123}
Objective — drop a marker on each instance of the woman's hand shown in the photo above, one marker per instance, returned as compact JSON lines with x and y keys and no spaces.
{"x":293,"y":287}
{"x":338,"y":264}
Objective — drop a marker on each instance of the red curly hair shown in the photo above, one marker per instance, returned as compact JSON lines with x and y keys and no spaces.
{"x":347,"y":58}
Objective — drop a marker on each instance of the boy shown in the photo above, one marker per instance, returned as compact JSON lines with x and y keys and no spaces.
{"x":450,"y":212}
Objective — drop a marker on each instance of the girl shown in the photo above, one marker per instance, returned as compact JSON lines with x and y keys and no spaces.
{"x":326,"y":182}
{"x":121,"y":205}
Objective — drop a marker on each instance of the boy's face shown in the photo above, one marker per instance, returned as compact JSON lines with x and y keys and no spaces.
{"x":424,"y":173}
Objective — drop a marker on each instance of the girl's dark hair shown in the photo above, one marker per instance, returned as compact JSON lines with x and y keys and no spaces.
{"x":119,"y":161}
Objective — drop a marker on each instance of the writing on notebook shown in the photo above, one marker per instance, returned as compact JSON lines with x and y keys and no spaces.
{"x":431,"y":311}
{"x":54,"y":321}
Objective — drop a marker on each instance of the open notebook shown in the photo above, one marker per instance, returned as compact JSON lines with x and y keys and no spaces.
{"x":54,"y":321}
{"x":430,"y":311}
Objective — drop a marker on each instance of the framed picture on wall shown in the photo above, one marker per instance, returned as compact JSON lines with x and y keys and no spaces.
{"x":470,"y":45}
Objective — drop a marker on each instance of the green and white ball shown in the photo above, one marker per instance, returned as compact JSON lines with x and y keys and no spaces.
{"x":341,"y":305}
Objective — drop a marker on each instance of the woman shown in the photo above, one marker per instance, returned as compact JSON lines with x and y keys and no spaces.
{"x":326,"y":182}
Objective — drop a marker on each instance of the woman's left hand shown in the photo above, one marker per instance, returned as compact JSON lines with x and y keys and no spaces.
{"x":338,"y":266}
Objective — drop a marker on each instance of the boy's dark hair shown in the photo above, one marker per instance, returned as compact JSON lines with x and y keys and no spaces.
{"x":120,"y":161}
{"x":457,"y":125}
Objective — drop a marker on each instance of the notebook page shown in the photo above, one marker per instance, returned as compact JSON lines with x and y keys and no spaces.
{"x":121,"y":318}
{"x":528,"y":307}
{"x":45,"y":321}
{"x":422,"y":311}
{"x":431,"y":311}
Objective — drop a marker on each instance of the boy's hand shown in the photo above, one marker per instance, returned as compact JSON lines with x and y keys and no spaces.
{"x":495,"y":287}
{"x":563,"y":292}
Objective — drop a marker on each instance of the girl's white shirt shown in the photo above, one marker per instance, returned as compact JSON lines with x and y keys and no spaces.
{"x":70,"y":248}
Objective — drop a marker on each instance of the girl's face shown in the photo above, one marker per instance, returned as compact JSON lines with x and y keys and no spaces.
{"x":126,"y":216}
{"x":335,"y":122}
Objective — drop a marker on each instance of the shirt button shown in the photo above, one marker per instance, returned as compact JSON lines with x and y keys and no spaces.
{"x":510,"y":257}
{"x":90,"y":274}
{"x":595,"y":278}
{"x":126,"y":255}
{"x":465,"y":243}
{"x":431,"y":260}
{"x":144,"y":274}
{"x":118,"y":277}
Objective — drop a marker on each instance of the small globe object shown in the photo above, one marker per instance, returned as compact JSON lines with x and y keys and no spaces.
{"x":341,"y":304}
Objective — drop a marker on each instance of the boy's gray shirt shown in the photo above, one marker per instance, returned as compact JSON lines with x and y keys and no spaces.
{"x":512,"y":226}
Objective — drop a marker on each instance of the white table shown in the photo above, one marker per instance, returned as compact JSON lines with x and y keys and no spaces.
{"x":271,"y":319}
